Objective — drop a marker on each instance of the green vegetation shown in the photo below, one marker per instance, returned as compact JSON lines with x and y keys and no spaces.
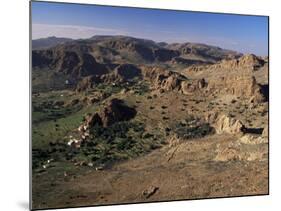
{"x":44,"y":80}
{"x":119,"y":141}
{"x":192,"y":127}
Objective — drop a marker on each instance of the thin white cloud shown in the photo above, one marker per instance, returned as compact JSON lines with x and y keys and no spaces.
{"x":70,"y":31}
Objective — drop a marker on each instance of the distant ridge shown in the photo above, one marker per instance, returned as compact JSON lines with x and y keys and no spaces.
{"x":95,"y":55}
{"x":48,"y":42}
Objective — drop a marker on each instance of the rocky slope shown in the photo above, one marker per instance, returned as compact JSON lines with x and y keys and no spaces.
{"x":48,"y":42}
{"x":119,"y":49}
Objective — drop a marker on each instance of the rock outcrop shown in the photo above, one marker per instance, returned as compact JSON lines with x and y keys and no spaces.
{"x":188,"y":87}
{"x":87,"y":83}
{"x":163,"y":79}
{"x":241,"y":65}
{"x":226,"y":124}
{"x":167,"y":81}
{"x":252,"y":139}
{"x":243,"y":85}
{"x":116,"y":111}
{"x":248,"y":62}
{"x":122,"y":73}
{"x":94,"y":97}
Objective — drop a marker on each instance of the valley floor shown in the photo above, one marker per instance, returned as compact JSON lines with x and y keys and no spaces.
{"x":186,"y":171}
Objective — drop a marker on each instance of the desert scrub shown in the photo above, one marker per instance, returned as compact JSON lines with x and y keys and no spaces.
{"x":192,"y":127}
{"x":120,"y":141}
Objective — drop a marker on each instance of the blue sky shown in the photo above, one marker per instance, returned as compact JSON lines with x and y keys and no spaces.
{"x":246,"y":34}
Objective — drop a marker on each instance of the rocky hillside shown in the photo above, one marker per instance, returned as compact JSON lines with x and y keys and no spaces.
{"x":120,"y":49}
{"x":48,"y":42}
{"x":174,"y":121}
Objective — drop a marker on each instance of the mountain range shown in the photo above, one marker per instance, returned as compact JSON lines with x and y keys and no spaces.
{"x":124,"y":49}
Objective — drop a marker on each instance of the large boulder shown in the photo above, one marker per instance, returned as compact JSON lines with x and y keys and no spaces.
{"x":171,"y":83}
{"x":167,"y":81}
{"x":226,"y":124}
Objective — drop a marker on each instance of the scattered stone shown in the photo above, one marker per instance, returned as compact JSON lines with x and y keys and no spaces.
{"x":90,"y":164}
{"x":80,"y":163}
{"x":76,"y":143}
{"x":150,"y":191}
{"x":50,"y":160}
{"x":99,"y":168}
{"x":251,"y":139}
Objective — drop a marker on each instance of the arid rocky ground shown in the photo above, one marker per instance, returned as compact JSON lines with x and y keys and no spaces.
{"x":123,"y":120}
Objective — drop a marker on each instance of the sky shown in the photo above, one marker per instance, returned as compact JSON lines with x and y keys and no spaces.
{"x":245,"y":34}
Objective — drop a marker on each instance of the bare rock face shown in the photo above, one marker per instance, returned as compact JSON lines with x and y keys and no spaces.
{"x":170,"y":83}
{"x":226,"y":124}
{"x":251,"y":61}
{"x":243,"y":85}
{"x":116,"y":111}
{"x":189,"y":87}
{"x":122,"y":73}
{"x":163,"y":79}
{"x":87,"y":83}
{"x":150,"y":73}
{"x":248,"y":62}
{"x":166,"y":80}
